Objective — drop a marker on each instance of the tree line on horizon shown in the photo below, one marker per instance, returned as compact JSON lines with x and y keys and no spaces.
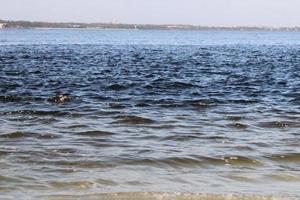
{"x":29,"y":24}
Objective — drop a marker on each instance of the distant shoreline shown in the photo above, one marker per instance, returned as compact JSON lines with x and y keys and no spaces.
{"x":4,"y":24}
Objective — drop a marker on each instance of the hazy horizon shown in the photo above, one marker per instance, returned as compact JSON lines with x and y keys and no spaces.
{"x":276,"y":13}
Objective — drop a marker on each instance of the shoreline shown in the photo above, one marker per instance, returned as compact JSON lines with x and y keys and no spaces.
{"x":170,"y":196}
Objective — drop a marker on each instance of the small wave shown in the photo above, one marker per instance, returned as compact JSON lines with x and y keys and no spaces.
{"x":237,"y":125}
{"x":64,"y":151}
{"x":20,"y":134}
{"x":11,"y":98}
{"x":241,"y":161}
{"x":7,"y":179}
{"x":240,"y":178}
{"x":134,"y":120}
{"x":243,"y":101}
{"x":195,"y":161}
{"x":4,"y":153}
{"x":180,"y":138}
{"x":284,"y":177}
{"x":277,"y":124}
{"x":181,"y":85}
{"x":142,"y":105}
{"x":290,"y":157}
{"x":175,"y":162}
{"x":230,"y":160}
{"x":55,"y":113}
{"x":234,"y":118}
{"x":61,"y":99}
{"x":200,"y":104}
{"x":95,"y":133}
{"x":116,"y":105}
{"x":106,"y":182}
{"x":117,"y":87}
{"x":82,"y":164}
{"x":77,"y":126}
{"x":15,"y":135}
{"x":72,"y":185}
{"x":175,"y":103}
{"x":215,"y":137}
{"x":47,"y":136}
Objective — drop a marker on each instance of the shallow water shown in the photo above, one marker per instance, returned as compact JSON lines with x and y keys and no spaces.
{"x":85,"y":112}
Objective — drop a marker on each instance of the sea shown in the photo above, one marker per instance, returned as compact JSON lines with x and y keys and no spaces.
{"x":149,"y":114}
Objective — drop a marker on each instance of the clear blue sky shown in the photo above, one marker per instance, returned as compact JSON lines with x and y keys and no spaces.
{"x":198,"y":12}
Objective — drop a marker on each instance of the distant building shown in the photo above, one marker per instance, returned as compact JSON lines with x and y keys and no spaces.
{"x":76,"y":26}
{"x":172,"y":26}
{"x":2,"y":25}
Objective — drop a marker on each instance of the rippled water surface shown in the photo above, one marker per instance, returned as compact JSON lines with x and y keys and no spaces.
{"x":86,"y":112}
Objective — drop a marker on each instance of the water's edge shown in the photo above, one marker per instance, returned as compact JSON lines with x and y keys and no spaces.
{"x":169,"y":196}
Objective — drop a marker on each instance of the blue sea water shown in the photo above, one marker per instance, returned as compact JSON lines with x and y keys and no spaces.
{"x":85,"y":112}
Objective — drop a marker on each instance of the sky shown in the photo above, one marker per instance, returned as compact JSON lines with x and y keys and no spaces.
{"x":197,"y":12}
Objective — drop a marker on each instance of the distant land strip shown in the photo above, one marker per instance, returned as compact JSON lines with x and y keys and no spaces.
{"x":29,"y":24}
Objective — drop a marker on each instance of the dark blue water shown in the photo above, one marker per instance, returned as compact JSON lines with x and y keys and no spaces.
{"x":105,"y":111}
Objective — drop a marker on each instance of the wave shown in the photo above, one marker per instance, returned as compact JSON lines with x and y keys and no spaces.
{"x":20,"y":134}
{"x":237,"y":125}
{"x":288,"y":157}
{"x":15,"y":98}
{"x":59,"y":99}
{"x":95,"y":133}
{"x":131,"y":119}
{"x":278,"y":124}
{"x":194,"y":161}
{"x":56,"y":113}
